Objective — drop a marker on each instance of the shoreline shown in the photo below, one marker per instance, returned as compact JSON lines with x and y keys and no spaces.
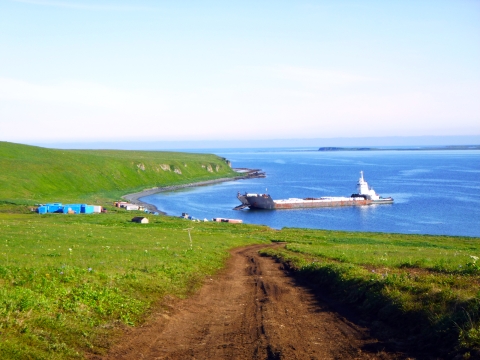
{"x":134,"y":198}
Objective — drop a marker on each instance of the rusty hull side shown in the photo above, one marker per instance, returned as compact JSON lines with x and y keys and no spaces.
{"x":318,"y":204}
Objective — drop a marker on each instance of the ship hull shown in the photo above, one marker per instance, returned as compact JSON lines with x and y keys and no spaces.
{"x":319,"y":204}
{"x":260,"y":202}
{"x":267,"y":203}
{"x":383,"y":201}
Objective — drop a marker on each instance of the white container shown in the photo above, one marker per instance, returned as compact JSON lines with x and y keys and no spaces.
{"x":131,"y":207}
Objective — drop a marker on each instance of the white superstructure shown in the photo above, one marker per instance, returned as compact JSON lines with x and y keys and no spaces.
{"x":363,"y":189}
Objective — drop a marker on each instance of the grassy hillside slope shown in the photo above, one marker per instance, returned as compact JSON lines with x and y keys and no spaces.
{"x":69,"y":283}
{"x":421,"y":290}
{"x":33,"y":174}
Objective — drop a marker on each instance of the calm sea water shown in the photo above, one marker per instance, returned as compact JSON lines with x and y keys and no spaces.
{"x":435,"y":192}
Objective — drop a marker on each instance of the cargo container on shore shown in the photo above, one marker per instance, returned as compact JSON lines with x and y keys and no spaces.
{"x":68,"y":208}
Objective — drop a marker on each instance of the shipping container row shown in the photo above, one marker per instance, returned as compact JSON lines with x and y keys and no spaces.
{"x":69,"y":208}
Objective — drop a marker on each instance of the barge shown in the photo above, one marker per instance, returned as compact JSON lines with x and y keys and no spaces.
{"x":364,"y":196}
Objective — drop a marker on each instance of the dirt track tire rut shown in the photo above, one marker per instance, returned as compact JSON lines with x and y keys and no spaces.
{"x":253,"y":310}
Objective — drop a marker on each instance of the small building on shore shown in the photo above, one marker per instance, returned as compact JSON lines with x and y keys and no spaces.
{"x":140,"y":220}
{"x":127,"y":206}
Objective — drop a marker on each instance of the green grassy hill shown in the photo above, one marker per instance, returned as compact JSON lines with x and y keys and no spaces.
{"x":33,"y":174}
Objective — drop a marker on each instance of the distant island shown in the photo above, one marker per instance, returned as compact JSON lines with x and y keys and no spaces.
{"x":407,"y":148}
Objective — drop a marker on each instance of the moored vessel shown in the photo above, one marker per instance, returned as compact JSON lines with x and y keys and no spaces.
{"x":364,"y":196}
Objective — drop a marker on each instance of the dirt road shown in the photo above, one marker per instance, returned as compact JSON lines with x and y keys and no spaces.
{"x":253,"y":310}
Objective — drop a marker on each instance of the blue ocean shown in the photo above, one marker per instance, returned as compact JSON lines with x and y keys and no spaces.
{"x":435,"y":192}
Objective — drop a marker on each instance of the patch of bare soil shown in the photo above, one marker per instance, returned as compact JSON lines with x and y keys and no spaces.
{"x":253,"y":310}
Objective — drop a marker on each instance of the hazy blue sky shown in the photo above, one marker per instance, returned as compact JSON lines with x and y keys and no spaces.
{"x":203,"y":70}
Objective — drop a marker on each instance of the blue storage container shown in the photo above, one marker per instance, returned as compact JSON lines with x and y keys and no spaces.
{"x":87,"y":209}
{"x":77,"y":208}
{"x":53,"y":208}
{"x":42,"y":209}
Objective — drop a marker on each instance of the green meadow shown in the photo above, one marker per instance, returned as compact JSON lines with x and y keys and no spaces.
{"x":70,"y":283}
{"x":67,"y":283}
{"x":422,"y":290}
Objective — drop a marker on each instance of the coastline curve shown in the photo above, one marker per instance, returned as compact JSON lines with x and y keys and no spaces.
{"x":134,"y":198}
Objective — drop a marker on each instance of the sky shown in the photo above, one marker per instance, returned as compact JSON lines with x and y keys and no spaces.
{"x":73,"y":71}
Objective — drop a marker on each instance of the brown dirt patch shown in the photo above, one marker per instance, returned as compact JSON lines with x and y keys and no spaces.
{"x":252,"y":310}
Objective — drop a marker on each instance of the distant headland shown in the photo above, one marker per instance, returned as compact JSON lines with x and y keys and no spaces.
{"x":406,"y":148}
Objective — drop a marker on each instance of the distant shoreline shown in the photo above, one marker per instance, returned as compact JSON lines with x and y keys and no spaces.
{"x":407,"y":148}
{"x":134,"y":197}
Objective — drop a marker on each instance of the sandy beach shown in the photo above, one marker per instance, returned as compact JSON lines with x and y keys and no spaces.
{"x":134,"y":198}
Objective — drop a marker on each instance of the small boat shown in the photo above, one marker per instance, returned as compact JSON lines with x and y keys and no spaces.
{"x":364,"y":196}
